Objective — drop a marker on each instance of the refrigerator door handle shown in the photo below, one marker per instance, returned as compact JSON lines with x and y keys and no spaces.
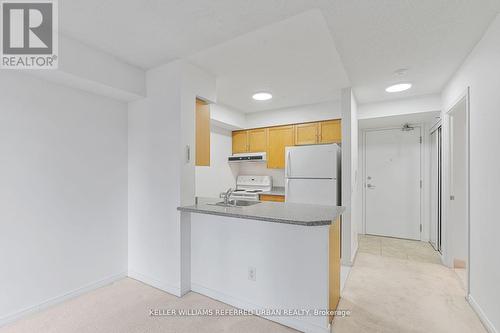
{"x":288,"y":164}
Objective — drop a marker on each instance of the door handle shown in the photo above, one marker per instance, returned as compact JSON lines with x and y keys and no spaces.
{"x":370,"y":186}
{"x":288,"y":164}
{"x":287,"y":189}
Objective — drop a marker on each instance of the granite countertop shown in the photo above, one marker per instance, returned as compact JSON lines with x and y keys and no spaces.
{"x":276,"y":190}
{"x":277,"y":212}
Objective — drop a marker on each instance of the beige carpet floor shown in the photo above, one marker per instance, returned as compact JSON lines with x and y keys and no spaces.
{"x":394,"y":286}
{"x":400,"y":286}
{"x":123,"y":307}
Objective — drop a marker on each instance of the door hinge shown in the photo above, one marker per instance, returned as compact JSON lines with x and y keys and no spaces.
{"x":420,"y":227}
{"x":420,"y":139}
{"x":420,"y":183}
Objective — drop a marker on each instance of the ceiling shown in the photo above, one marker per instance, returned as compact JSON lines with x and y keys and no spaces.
{"x":429,"y":118}
{"x":148,"y":33}
{"x":429,"y":37}
{"x":301,"y":50}
{"x":294,"y":59}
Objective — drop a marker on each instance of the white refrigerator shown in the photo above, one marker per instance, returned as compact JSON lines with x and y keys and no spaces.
{"x":312,"y":174}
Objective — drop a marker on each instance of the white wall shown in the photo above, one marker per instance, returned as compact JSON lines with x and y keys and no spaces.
{"x":298,"y":114}
{"x":419,"y":104}
{"x":154,"y":180}
{"x":161,"y":177}
{"x":230,"y":118}
{"x":481,"y":72}
{"x":227,"y":117}
{"x":456,"y":229}
{"x":356,"y":195}
{"x":85,"y":68}
{"x":291,"y":265}
{"x":220,"y":175}
{"x":350,"y":194}
{"x":63,"y":192}
{"x":195,"y":83}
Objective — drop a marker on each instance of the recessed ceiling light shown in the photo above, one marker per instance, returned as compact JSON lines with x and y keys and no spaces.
{"x":398,"y":87}
{"x":262,"y":96}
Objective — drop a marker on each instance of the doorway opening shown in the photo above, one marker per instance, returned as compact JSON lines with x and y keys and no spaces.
{"x":457,"y":254}
{"x":436,"y":188}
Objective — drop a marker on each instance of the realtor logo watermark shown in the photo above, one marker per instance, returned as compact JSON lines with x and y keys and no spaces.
{"x":29,"y":37}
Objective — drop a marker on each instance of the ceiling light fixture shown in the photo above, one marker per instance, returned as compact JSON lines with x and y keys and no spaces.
{"x":262,"y":96}
{"x":398,"y":87}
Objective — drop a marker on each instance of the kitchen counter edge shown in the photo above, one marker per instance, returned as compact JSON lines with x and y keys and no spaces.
{"x":272,"y":213}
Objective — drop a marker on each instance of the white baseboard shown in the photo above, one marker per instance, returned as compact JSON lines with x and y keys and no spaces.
{"x":292,"y":322}
{"x":166,"y":287}
{"x":482,"y":316}
{"x":350,"y":261}
{"x":61,"y":298}
{"x":344,"y":275}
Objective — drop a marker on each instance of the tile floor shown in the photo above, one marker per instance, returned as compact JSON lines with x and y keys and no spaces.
{"x":398,"y":249}
{"x":400,"y":286}
{"x":462,"y":275}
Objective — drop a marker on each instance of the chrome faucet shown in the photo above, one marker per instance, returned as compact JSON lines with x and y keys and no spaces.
{"x":227,"y":195}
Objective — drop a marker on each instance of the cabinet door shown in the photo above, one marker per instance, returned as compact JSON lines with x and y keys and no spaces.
{"x":240,"y":142}
{"x":334,"y":266}
{"x":330,"y":131}
{"x":202,"y":133}
{"x":279,"y":138}
{"x":274,"y":198}
{"x":306,"y":134}
{"x":257,"y":140}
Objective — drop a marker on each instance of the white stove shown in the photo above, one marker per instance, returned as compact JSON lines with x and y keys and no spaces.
{"x":249,"y":187}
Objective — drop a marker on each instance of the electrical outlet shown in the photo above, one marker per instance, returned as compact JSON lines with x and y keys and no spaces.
{"x":252,"y":273}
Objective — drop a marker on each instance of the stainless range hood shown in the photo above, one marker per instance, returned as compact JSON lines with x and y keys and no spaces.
{"x":248,"y":157}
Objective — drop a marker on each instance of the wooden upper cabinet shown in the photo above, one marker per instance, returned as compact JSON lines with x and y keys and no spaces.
{"x":240,"y":142}
{"x":279,"y":138}
{"x":257,"y":140}
{"x":251,"y":141}
{"x":306,"y":134}
{"x":273,"y":140}
{"x":202,"y":120}
{"x":330,"y":131}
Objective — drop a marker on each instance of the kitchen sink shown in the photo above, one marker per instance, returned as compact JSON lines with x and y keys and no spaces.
{"x":236,"y":203}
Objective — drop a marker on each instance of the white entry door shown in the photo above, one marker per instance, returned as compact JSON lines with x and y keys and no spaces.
{"x":393,"y":183}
